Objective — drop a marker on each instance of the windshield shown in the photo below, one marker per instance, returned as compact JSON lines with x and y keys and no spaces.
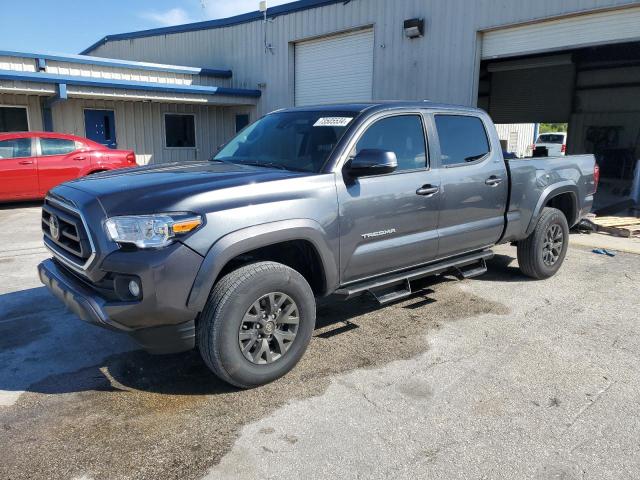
{"x":551,"y":138}
{"x":298,"y":141}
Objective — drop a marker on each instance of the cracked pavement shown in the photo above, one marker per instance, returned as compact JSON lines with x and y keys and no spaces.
{"x":497,"y":378}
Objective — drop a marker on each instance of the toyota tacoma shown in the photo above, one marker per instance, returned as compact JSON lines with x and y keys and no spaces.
{"x":230,"y":255}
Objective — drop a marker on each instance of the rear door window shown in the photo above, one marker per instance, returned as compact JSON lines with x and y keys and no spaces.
{"x":15,"y":148}
{"x":56,"y":146}
{"x":463,"y":139}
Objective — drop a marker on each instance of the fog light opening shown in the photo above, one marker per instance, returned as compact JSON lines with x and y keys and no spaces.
{"x":134,"y":288}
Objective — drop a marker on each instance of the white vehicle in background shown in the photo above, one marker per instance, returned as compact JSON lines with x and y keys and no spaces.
{"x":555,"y":143}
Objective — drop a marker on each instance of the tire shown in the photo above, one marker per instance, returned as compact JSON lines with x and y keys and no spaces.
{"x":235,"y":302}
{"x":539,"y":257}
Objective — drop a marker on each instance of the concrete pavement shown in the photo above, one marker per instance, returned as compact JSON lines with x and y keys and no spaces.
{"x":496,"y":377}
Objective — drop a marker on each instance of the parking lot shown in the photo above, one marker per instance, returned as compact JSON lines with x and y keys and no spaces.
{"x":493,"y":378}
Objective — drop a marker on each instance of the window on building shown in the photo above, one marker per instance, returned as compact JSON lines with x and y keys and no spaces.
{"x":463,"y":139}
{"x":242,"y":120}
{"x":403,"y":135}
{"x":180,"y":130}
{"x":56,"y":146}
{"x":16,"y":148}
{"x":13,"y":119}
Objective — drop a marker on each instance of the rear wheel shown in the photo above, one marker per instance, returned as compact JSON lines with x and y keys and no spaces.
{"x":542,"y":253}
{"x":257,"y":324}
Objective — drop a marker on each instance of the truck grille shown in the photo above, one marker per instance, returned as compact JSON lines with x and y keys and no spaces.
{"x":65,"y":233}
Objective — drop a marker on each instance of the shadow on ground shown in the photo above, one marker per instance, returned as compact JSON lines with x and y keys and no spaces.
{"x":19,"y":205}
{"x":95,"y":406}
{"x":59,"y":354}
{"x":503,"y":268}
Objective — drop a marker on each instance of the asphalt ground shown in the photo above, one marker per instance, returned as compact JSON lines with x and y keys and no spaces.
{"x":495,"y":377}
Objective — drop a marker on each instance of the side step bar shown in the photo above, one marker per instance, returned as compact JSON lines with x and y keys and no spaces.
{"x":474,"y":272}
{"x":392,"y":293}
{"x":395,"y":286}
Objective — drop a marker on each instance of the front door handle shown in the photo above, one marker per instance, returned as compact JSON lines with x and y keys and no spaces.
{"x":25,"y":162}
{"x":493,"y":181}
{"x":79,"y":159}
{"x":427,"y":190}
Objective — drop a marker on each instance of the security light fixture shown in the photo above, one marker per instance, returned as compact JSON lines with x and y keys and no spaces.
{"x":414,"y":28}
{"x":263,"y":6}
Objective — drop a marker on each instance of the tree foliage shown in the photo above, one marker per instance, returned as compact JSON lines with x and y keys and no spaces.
{"x":553,"y":127}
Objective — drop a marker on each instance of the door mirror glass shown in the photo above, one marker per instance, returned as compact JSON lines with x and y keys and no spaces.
{"x":372,"y":162}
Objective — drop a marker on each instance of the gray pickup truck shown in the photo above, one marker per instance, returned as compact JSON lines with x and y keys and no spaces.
{"x":230,"y":255}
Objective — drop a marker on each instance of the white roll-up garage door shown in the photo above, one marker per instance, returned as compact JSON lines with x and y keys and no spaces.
{"x":611,"y":26}
{"x":334,"y":69}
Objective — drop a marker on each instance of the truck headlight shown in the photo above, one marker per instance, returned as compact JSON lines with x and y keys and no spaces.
{"x":151,"y":231}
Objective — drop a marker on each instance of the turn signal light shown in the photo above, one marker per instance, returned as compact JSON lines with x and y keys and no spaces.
{"x":186,"y":226}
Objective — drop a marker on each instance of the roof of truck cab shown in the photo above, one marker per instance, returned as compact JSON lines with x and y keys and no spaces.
{"x":376,"y":106}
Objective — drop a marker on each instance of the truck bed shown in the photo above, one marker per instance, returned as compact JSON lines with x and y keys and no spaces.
{"x":533,"y":180}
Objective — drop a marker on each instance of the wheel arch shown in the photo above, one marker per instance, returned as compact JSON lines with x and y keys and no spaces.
{"x":262,"y":242}
{"x":563,"y":196}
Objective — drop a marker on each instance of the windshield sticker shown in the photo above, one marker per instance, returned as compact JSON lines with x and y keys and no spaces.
{"x":333,"y":122}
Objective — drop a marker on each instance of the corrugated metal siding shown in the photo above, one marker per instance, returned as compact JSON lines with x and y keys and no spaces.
{"x":55,"y":67}
{"x":437,"y":67}
{"x":19,"y":64}
{"x":140,"y":126}
{"x":577,"y":31}
{"x":33,"y":107}
{"x":112,"y":73}
{"x":522,"y":133}
{"x":334,"y":69}
{"x":77,"y":91}
{"x":32,"y":88}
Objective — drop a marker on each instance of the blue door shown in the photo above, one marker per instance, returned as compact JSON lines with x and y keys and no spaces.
{"x":100,"y":126}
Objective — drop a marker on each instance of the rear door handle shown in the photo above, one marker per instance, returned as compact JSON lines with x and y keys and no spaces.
{"x":427,"y":190}
{"x":25,"y":162}
{"x":493,"y":181}
{"x":79,"y":159}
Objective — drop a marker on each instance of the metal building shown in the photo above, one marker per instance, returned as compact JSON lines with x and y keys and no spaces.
{"x":570,"y":61}
{"x":162,"y":112}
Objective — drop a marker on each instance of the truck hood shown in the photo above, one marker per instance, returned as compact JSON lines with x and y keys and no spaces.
{"x":165,"y":187}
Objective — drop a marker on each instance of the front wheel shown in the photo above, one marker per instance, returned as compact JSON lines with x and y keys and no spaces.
{"x":257,"y":324}
{"x":541,"y":254}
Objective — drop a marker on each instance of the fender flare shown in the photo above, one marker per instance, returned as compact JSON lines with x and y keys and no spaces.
{"x":551,"y":191}
{"x":241,"y":241}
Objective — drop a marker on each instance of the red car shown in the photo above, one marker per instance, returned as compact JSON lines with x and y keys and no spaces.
{"x":31,"y":163}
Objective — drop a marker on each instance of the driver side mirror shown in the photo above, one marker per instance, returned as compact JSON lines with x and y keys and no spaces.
{"x":372,"y":162}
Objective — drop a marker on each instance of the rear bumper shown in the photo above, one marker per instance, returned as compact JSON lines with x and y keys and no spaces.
{"x":587,"y":205}
{"x":92,"y":308}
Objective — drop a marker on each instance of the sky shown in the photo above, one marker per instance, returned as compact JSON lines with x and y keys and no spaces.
{"x":69,"y":26}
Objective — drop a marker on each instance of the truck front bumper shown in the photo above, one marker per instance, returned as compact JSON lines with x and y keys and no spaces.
{"x":159,"y":321}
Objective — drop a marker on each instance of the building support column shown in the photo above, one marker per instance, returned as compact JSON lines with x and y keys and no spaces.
{"x":47,"y":116}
